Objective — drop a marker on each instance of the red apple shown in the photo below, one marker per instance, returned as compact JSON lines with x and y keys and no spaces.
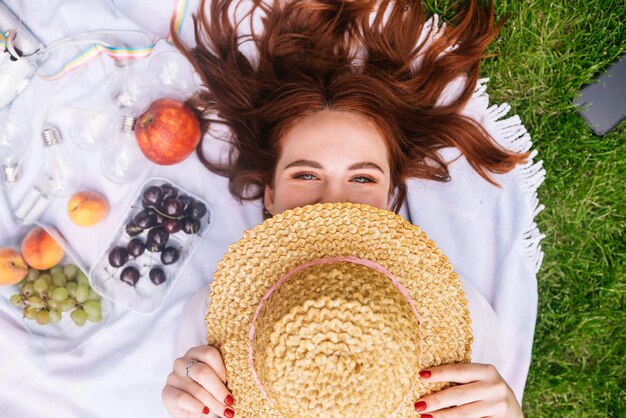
{"x":167,"y":132}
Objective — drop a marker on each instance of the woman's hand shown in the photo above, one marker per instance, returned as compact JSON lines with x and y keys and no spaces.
{"x":482,"y":392}
{"x":202,"y":389}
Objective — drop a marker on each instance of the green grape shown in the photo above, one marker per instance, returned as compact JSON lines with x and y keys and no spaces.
{"x":47,"y":277}
{"x":71,"y":288}
{"x":70,"y":271}
{"x":81,"y":278}
{"x":93,"y":295}
{"x":56,"y":269}
{"x":28,"y":289}
{"x":32,"y":275}
{"x":67,"y":305}
{"x":17,"y":300}
{"x":95,"y":318}
{"x":20,"y":285}
{"x":52,"y":304}
{"x":40,"y":285}
{"x":30,"y":312}
{"x":42,"y":317}
{"x":79,"y":317}
{"x":36,"y":302}
{"x":59,"y":279}
{"x":92,"y":308}
{"x":82,"y":293}
{"x":59,"y":294}
{"x":54,"y":315}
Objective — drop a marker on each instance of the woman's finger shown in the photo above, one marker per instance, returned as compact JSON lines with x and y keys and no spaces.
{"x":211,"y":356}
{"x":181,"y":404}
{"x":204,"y":375}
{"x":460,"y":373}
{"x":452,"y":396}
{"x":472,"y":410}
{"x":192,"y":388}
{"x":201,"y":374}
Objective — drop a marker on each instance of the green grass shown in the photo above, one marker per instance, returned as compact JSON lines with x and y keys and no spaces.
{"x":546,"y":53}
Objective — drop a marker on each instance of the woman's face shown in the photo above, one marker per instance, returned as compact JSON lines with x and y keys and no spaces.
{"x":331,"y":156}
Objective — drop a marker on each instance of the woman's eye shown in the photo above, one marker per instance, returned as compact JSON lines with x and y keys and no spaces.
{"x":305,"y":176}
{"x":363,"y":179}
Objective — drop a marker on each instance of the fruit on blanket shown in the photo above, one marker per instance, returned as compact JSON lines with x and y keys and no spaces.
{"x":87,"y":208}
{"x":130,"y":276}
{"x":169,"y":191}
{"x":13,"y":268}
{"x":132,"y":229}
{"x":167,"y":132}
{"x":136,"y":247}
{"x":158,"y":236}
{"x":152,"y":196}
{"x":157,"y":276}
{"x":79,"y":317}
{"x":170,"y":255}
{"x":197,"y":210}
{"x":172,"y":226}
{"x":145,"y":219}
{"x":118,"y":256}
{"x":40,"y":250}
{"x":191,"y":226}
{"x":163,"y":214}
{"x":45,"y":294}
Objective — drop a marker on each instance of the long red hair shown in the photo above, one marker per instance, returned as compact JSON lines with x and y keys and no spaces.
{"x":352,"y":55}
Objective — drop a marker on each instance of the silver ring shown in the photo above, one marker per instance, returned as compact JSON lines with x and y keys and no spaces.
{"x":189,"y":366}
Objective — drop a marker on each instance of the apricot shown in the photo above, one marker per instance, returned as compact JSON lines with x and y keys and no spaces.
{"x":40,"y":250}
{"x":87,"y":208}
{"x":13,"y":268}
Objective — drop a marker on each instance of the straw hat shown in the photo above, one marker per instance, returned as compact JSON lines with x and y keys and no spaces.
{"x":331,"y":311}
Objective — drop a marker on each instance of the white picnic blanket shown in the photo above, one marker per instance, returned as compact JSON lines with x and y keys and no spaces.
{"x":488,"y":233}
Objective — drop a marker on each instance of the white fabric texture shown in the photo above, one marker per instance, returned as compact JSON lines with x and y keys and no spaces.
{"x":488,"y":233}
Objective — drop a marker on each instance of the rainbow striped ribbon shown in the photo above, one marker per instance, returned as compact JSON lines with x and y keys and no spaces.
{"x":97,"y":49}
{"x":119,"y":53}
{"x":6,"y":42}
{"x":180,"y":12}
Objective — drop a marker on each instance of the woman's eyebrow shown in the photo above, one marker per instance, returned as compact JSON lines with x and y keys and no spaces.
{"x":315,"y":164}
{"x":304,"y":163}
{"x":365,"y":164}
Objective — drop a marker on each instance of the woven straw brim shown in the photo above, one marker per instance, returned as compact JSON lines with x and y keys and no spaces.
{"x":269,"y":251}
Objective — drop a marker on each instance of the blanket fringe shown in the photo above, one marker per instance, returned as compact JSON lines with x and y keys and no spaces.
{"x":512,"y":135}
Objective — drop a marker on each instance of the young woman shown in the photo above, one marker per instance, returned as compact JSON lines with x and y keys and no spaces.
{"x":343,"y":102}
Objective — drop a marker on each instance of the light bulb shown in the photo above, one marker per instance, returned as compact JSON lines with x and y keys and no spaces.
{"x":172,"y":73}
{"x":15,"y":73}
{"x":13,"y":145}
{"x":126,"y":89}
{"x":90,"y":128}
{"x":57,"y":178}
{"x":123,"y":162}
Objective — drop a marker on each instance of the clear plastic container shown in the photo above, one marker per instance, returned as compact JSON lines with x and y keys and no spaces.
{"x":146,"y":296}
{"x":63,"y":336}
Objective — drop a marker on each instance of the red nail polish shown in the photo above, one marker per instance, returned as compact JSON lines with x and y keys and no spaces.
{"x":229,"y":400}
{"x":229,"y":413}
{"x":426,"y":416}
{"x":420,"y":406}
{"x":425,"y":374}
{"x":205,"y":410}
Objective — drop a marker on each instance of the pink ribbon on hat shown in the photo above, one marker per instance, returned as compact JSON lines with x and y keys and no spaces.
{"x":349,"y":259}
